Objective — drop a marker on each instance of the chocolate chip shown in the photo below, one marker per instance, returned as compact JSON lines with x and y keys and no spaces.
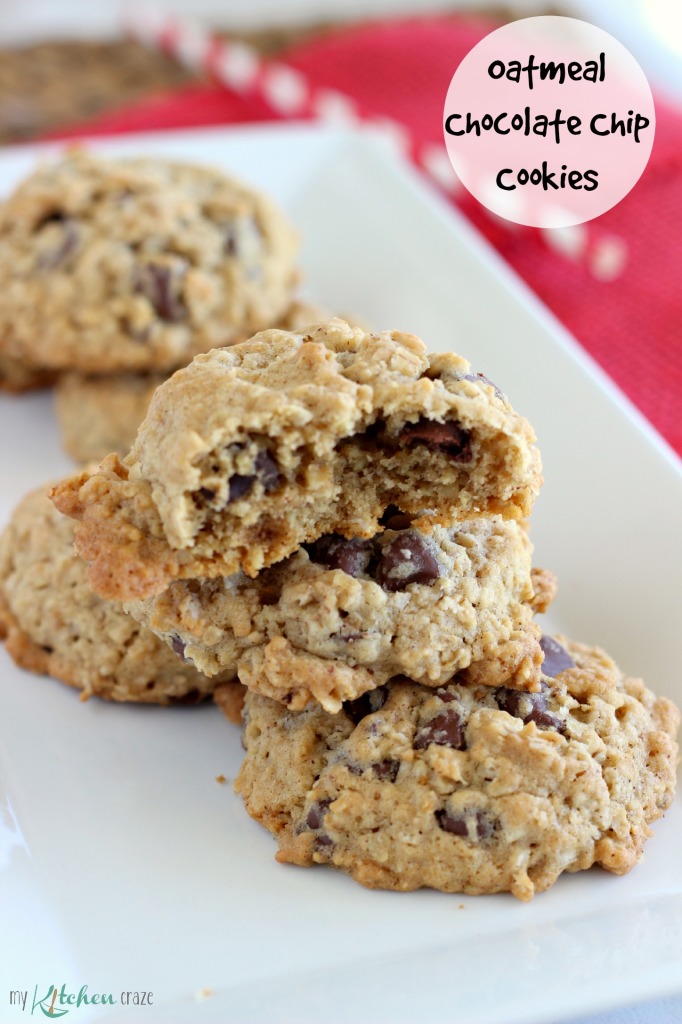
{"x":372,"y":433}
{"x":386,"y":770}
{"x":65,"y":246}
{"x":445,"y":730}
{"x":270,"y":592}
{"x":161,"y":284}
{"x":406,"y":559}
{"x":557,"y":658}
{"x":457,"y":824}
{"x":529,"y":707}
{"x":448,"y":437}
{"x":481,"y":378}
{"x":322,"y":843}
{"x":178,"y":646}
{"x":510,"y":701}
{"x":316,"y":813}
{"x":445,"y":695}
{"x":365,"y":705}
{"x":238,"y":486}
{"x":352,"y":556}
{"x":267,"y":471}
{"x":389,"y":512}
{"x":394,"y":519}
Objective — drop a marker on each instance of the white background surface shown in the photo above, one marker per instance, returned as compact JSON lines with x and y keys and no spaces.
{"x":125,"y":865}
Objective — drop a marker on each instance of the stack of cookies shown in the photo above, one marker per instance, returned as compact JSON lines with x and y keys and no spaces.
{"x":117,"y":272}
{"x":330,"y":527}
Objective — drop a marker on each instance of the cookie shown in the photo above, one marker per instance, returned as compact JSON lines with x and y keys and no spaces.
{"x":100,"y":414}
{"x":53,"y":624}
{"x":342,"y":617}
{"x":111,"y":265}
{"x":230,"y":699}
{"x":466,"y":788}
{"x":253,"y":450}
{"x":15,"y":377}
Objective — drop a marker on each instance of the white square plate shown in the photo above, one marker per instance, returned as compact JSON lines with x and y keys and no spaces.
{"x":125,"y":866}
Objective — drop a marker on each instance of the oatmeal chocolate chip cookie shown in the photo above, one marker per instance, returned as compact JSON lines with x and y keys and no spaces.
{"x":342,"y":617}
{"x":251,"y":451}
{"x":467,"y":788}
{"x":100,"y":414}
{"x":53,"y":624}
{"x":112,"y":265}
{"x":16,"y":377}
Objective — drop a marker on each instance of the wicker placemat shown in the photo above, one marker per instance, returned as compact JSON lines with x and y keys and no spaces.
{"x":49,"y":85}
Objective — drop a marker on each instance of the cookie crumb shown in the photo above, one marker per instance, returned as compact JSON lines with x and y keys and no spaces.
{"x":203,"y":993}
{"x":221,"y":779}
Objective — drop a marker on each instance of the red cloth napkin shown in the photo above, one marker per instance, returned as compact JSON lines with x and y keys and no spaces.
{"x":630,"y":324}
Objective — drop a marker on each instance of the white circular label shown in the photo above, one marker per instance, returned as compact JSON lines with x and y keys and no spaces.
{"x":549,"y":121}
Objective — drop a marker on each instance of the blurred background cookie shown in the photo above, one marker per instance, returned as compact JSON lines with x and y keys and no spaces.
{"x":15,"y":377}
{"x":112,"y":265}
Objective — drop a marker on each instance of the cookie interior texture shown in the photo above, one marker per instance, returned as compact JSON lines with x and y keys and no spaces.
{"x":53,"y":624}
{"x":341,"y":617}
{"x":466,"y":788}
{"x":253,"y":450}
{"x":111,"y":264}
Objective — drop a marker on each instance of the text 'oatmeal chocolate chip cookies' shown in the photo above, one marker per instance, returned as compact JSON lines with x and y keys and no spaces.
{"x":53,"y":624}
{"x":251,"y":451}
{"x":343,"y":616}
{"x":111,"y":265}
{"x":459,"y":790}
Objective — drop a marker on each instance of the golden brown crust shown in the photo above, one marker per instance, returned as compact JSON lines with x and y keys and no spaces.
{"x":17,"y":378}
{"x":545,"y":586}
{"x":230,"y":699}
{"x":127,"y":562}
